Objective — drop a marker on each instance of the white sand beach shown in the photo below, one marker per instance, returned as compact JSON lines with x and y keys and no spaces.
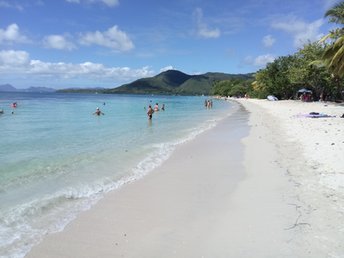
{"x":275,"y":189}
{"x":311,"y":153}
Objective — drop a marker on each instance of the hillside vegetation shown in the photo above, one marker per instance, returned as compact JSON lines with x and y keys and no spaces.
{"x":173,"y":82}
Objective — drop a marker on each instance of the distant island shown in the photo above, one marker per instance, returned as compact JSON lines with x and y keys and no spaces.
{"x":10,"y":88}
{"x":171,"y":82}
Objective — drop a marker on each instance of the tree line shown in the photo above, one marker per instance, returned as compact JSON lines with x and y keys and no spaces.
{"x":317,"y":66}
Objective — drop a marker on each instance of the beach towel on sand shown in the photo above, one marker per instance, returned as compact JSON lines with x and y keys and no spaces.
{"x":314,"y":115}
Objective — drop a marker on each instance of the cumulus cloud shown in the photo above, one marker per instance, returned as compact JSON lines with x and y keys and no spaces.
{"x":19,"y":63}
{"x":12,"y":35}
{"x":202,"y":28}
{"x":268,"y":41}
{"x":259,"y":61}
{"x":112,"y":38}
{"x":301,"y":31}
{"x":110,"y":3}
{"x":58,"y":42}
{"x":12,"y":58}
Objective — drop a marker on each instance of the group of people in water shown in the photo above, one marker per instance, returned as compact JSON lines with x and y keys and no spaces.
{"x":150,"y":110}
{"x":208,"y":103}
{"x":156,"y":108}
{"x":13,"y":105}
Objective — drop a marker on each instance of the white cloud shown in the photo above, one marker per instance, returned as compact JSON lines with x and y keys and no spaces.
{"x":202,"y":28}
{"x":19,"y":63}
{"x":12,"y":58}
{"x":112,"y":38}
{"x":110,"y":3}
{"x":259,"y":61}
{"x":268,"y":41}
{"x":6,"y":4}
{"x":12,"y":34}
{"x":263,"y":60}
{"x":58,"y":42}
{"x":166,"y":68}
{"x":301,"y":31}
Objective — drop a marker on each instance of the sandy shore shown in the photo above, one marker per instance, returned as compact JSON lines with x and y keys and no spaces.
{"x":260,"y":184}
{"x":311,"y":153}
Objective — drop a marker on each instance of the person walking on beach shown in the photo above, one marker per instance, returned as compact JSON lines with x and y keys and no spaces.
{"x":98,"y":112}
{"x":150,"y":112}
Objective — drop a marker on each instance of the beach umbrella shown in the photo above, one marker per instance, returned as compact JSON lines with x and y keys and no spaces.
{"x":303,"y":90}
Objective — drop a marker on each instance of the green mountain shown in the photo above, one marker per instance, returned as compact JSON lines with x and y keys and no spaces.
{"x":175,"y":82}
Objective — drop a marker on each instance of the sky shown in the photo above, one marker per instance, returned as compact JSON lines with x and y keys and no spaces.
{"x":106,"y":43}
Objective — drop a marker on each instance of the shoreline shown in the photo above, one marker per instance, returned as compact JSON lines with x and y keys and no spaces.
{"x":165,"y":203}
{"x":213,"y":202}
{"x":79,"y":157}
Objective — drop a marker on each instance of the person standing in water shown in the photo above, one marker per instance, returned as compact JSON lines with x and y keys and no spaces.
{"x":98,"y":112}
{"x":150,"y":112}
{"x":156,"y":107}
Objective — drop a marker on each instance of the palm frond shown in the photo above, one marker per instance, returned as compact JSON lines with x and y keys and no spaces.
{"x":336,"y":13}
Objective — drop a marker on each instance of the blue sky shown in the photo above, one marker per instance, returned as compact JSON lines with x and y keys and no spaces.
{"x":105,"y":43}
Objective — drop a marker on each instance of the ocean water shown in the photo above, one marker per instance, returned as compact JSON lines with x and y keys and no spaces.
{"x":57,"y":158}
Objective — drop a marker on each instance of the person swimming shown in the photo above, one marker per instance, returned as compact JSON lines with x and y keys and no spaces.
{"x":156,"y":107}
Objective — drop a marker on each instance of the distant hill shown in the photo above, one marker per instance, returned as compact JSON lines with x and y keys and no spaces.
{"x":7,"y":88}
{"x":175,"y":82}
{"x":39,"y":89}
{"x":10,"y":88}
{"x":82,"y":90}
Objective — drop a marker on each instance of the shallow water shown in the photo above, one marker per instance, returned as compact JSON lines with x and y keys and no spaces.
{"x":57,"y":158}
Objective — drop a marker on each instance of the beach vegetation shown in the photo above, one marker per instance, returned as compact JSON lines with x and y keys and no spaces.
{"x":308,"y":73}
{"x":317,"y":66}
{"x":235,"y":87}
{"x":333,"y":56}
{"x":287,"y":74}
{"x":275,"y":79}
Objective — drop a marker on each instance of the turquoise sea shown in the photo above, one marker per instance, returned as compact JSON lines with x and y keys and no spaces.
{"x":57,"y":158}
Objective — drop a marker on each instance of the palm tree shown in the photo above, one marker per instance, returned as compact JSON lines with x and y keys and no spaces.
{"x":334,"y":53}
{"x":336,"y":13}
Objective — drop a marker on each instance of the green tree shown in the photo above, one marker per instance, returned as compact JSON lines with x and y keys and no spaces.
{"x":336,"y":13}
{"x":334,"y":52}
{"x":232,"y":87}
{"x":286,"y":74}
{"x":307,"y":72}
{"x":275,"y":79}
